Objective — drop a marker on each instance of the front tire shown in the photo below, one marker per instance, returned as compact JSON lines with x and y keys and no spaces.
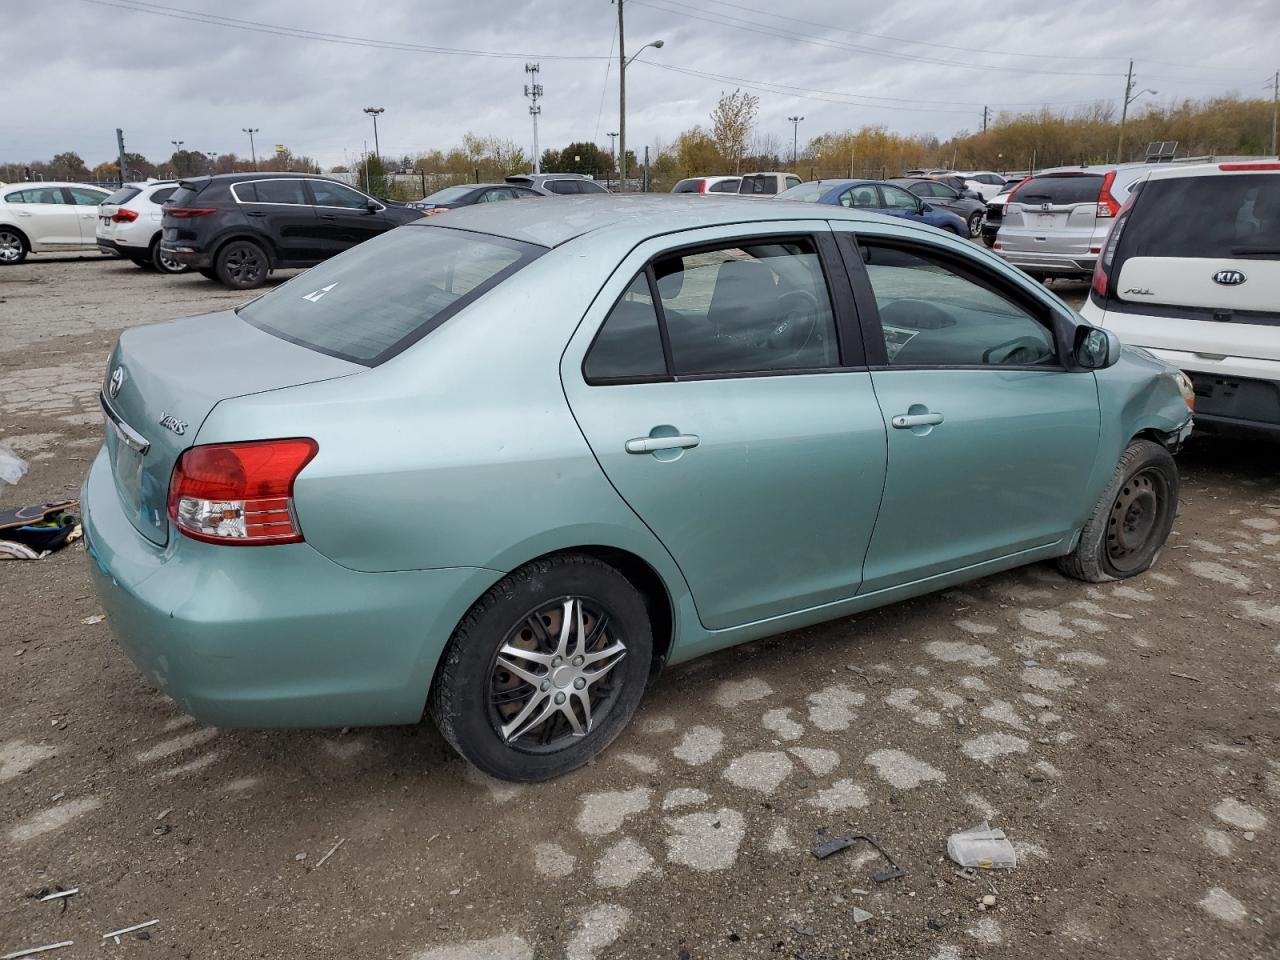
{"x":975,"y":225}
{"x":545,"y":669}
{"x":1131,"y":520}
{"x":242,"y":265}
{"x":13,"y":247}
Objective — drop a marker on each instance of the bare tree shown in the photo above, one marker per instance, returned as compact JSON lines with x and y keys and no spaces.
{"x":731,"y":124}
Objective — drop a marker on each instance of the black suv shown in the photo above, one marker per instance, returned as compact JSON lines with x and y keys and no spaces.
{"x":237,"y":227}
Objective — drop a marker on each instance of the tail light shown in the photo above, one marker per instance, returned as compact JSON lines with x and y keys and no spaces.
{"x":240,"y":494}
{"x":1107,"y":204}
{"x":124,"y":216}
{"x":1106,"y":259}
{"x":702,"y":186}
{"x":1257,"y":165}
{"x":188,"y":213}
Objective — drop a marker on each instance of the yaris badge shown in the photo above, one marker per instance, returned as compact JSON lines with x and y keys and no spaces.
{"x":1229,"y":278}
{"x":116,"y":382}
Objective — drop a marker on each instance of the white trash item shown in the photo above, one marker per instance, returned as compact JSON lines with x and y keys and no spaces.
{"x":982,"y":847}
{"x":12,"y":466}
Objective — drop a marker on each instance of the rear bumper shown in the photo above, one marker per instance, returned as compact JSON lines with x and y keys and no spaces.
{"x":186,"y":254}
{"x":120,"y":248}
{"x":1051,"y":264}
{"x":275,"y":636}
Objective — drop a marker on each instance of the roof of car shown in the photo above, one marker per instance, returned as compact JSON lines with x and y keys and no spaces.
{"x":643,"y":215}
{"x":53,"y":183}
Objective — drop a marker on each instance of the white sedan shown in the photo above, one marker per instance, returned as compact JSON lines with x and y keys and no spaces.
{"x":46,"y":217}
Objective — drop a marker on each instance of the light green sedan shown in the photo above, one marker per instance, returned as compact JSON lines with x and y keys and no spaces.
{"x":503,"y":465}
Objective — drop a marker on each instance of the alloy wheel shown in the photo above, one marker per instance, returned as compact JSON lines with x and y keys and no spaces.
{"x":552,"y":678}
{"x":10,"y":247}
{"x":244,"y":265}
{"x":975,"y":226}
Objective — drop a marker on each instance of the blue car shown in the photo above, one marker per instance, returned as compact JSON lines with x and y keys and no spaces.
{"x":876,"y":196}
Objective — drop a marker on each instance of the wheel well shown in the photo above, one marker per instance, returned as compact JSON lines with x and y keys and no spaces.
{"x":646,"y":580}
{"x":18,"y":230}
{"x":1167,"y":440}
{"x":256,"y":241}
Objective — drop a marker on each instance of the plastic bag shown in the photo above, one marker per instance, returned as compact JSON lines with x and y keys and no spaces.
{"x":12,"y":466}
{"x":983,"y":847}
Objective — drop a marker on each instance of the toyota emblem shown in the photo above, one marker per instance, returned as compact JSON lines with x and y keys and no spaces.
{"x":116,"y":382}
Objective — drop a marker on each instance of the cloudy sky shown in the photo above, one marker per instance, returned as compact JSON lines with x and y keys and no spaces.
{"x":301,"y":71}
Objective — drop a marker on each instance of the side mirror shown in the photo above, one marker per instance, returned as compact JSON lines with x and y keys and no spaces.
{"x":926,"y":208}
{"x":1096,"y":348}
{"x":372,"y":206}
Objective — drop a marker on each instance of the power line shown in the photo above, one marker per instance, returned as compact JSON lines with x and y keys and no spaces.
{"x":947,"y":46}
{"x":604,"y":89}
{"x":255,"y":26}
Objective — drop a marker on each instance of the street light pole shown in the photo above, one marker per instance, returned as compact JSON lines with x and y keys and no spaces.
{"x":252,"y":152}
{"x":795,"y":137}
{"x":177,"y":147}
{"x":374,"y":112}
{"x":623,"y":61}
{"x":1129,"y":97}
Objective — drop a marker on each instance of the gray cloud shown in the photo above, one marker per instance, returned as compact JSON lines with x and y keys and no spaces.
{"x":88,"y":68}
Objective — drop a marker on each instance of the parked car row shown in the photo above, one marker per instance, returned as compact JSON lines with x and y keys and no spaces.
{"x":878,"y":196}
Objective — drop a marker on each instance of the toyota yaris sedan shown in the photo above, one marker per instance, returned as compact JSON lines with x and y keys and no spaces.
{"x":501,"y":469}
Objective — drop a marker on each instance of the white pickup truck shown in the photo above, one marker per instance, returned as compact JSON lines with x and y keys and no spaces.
{"x":765,"y":185}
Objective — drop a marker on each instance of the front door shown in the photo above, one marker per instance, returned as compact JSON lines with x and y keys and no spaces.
{"x":899,"y":203}
{"x":45,"y":216}
{"x":344,"y":217}
{"x":720,"y":390}
{"x":991,"y":438}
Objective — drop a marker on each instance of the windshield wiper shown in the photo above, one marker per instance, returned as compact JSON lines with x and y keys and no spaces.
{"x":1246,"y":251}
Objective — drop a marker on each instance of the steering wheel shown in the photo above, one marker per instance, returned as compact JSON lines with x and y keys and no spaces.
{"x":797,"y":321}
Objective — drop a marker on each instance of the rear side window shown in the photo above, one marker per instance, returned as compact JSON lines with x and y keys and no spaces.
{"x":374,"y":300}
{"x":724,"y":186}
{"x":123,"y":195}
{"x":271,"y":191}
{"x":1215,"y":217}
{"x":561,"y":186}
{"x":758,"y":185}
{"x":629,"y":344}
{"x":160,"y":196}
{"x":1061,"y":189}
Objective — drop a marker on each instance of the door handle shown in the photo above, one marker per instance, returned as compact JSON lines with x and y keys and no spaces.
{"x":904,"y":421}
{"x":328,"y":216}
{"x":256,"y":213}
{"x":651,"y":444}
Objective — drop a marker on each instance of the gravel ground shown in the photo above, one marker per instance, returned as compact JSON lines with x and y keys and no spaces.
{"x":1125,"y":736}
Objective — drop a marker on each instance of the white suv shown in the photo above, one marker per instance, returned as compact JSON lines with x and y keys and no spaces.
{"x":46,"y":217}
{"x":1191,"y":272}
{"x":129,"y":224}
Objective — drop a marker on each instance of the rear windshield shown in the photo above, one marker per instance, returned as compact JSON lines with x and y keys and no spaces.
{"x":1215,"y":217}
{"x":1061,"y":189}
{"x":448,"y":195}
{"x":688,"y":186}
{"x":374,"y":300}
{"x":123,"y":195}
{"x":184,"y":196}
{"x":810,"y":192}
{"x":758,"y":184}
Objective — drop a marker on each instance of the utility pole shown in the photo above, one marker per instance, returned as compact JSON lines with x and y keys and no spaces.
{"x":533,"y":90}
{"x":124,"y":165}
{"x":795,"y":137}
{"x":252,"y":152}
{"x":1124,"y":112}
{"x":1275,"y":109}
{"x":646,"y":168}
{"x":986,"y":115}
{"x":622,"y":104}
{"x":373,"y":112}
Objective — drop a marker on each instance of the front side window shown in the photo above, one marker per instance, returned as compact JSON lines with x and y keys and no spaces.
{"x":756,"y":306}
{"x":935,"y":313}
{"x":336,"y":195}
{"x":629,"y":344}
{"x":758,"y":185}
{"x":590,"y":186}
{"x":895,"y":198}
{"x":83,"y":197}
{"x":372,"y":301}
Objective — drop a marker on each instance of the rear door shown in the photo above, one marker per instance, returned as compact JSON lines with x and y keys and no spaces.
{"x":280,"y":211}
{"x":45,"y":216}
{"x":718,"y":380}
{"x":1053,"y":213}
{"x":1198,"y":266}
{"x":991,"y":439}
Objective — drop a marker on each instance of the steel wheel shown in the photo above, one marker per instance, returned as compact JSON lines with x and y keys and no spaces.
{"x":1134,"y":519}
{"x":553,"y":678}
{"x":12,"y":247}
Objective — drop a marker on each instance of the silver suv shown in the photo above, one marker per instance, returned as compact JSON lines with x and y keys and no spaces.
{"x":1055,"y":222}
{"x":557,"y":184}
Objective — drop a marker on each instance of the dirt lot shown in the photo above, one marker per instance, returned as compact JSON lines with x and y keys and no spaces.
{"x":1126,"y":737}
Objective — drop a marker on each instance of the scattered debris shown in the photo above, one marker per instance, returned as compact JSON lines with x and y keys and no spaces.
{"x":860,"y":915}
{"x":983,"y":847}
{"x":967,"y":873}
{"x":164,"y":813}
{"x":12,"y":466}
{"x":989,"y":900}
{"x":332,"y":851}
{"x":117,"y":934}
{"x":60,"y":894}
{"x":1185,"y":676}
{"x":824,"y":850}
{"x":32,"y":951}
{"x":96,"y":618}
{"x":32,"y":533}
{"x":803,"y":931}
{"x":300,"y":856}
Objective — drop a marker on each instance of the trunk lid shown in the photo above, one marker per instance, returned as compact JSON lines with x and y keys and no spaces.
{"x":162,"y":381}
{"x":1053,"y":213}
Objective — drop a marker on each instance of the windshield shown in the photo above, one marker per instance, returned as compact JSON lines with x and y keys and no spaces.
{"x":371,"y":302}
{"x":808,"y":192}
{"x":448,"y":195}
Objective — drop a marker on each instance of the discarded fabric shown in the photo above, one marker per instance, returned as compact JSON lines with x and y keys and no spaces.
{"x":983,"y":847}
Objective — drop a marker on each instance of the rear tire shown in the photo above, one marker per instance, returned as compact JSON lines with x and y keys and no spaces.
{"x":509,"y":663}
{"x":975,"y":225}
{"x":163,"y":263}
{"x":242,"y":265}
{"x":143,"y":262}
{"x":1131,"y":520}
{"x":13,"y":247}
